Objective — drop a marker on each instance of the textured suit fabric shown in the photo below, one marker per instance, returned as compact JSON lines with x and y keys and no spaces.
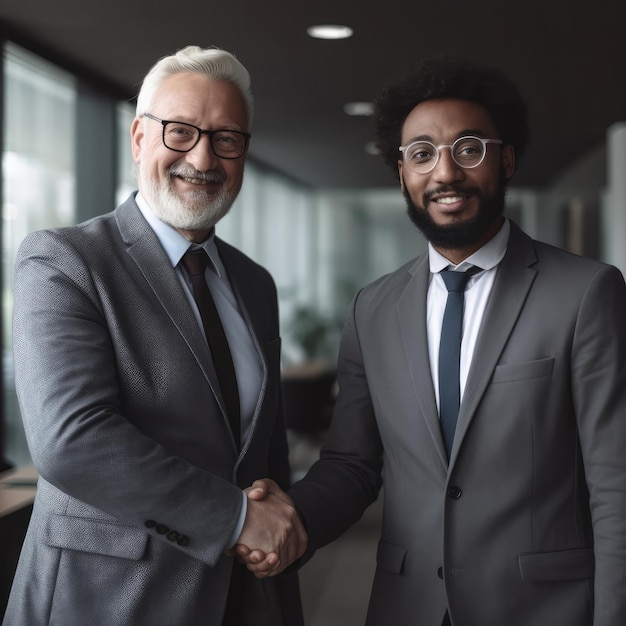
{"x":525,"y":527}
{"x":140,"y":475}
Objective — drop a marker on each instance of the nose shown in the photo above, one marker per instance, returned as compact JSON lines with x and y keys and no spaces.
{"x":201,"y":156}
{"x":447,"y":170}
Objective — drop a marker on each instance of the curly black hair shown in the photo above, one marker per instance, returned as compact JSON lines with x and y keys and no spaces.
{"x":449,"y":78}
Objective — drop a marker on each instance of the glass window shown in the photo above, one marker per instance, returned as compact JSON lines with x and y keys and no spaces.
{"x":38,"y":187}
{"x":127,"y":182}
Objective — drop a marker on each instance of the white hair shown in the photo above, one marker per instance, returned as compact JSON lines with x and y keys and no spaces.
{"x":211,"y":62}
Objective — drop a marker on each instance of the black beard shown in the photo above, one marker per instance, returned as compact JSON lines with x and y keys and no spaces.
{"x":463,"y":234}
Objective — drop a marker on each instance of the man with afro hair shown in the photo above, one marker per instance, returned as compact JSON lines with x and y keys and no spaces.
{"x":498,"y":443}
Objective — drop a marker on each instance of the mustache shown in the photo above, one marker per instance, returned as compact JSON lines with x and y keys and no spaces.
{"x":191,"y":172}
{"x":462,"y":191}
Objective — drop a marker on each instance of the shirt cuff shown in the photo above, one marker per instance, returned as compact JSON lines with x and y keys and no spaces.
{"x":240,"y":522}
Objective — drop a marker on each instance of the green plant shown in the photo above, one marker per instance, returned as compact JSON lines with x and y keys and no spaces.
{"x":312,"y":331}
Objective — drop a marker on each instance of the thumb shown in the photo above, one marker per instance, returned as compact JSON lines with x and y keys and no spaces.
{"x":261,"y":488}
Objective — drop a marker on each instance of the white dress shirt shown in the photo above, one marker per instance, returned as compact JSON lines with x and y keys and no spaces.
{"x":477,"y":294}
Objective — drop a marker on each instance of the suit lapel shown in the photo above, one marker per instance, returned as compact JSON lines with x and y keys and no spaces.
{"x":412,"y":321}
{"x":243,"y":288}
{"x":144,"y":249}
{"x":512,"y":284}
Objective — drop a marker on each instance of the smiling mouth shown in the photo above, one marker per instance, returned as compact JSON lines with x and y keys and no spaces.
{"x":194,"y":177}
{"x":448,"y":195}
{"x":450,"y":199}
{"x":199,"y":181}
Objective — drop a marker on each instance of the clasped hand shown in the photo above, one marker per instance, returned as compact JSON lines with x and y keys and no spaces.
{"x":273,"y":536}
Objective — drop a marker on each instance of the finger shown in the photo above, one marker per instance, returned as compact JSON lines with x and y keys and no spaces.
{"x":270,"y":566}
{"x":242,"y":550}
{"x":256,"y":556}
{"x":256,"y":493}
{"x":265,"y":484}
{"x":260,"y":489}
{"x":296,"y":543}
{"x":267,"y":564}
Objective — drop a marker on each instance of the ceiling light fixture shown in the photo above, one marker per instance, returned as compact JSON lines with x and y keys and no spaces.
{"x":329,"y":31}
{"x":358,"y":108}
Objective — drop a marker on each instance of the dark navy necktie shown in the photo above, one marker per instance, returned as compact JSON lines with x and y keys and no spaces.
{"x":450,"y":352}
{"x":195,"y":263}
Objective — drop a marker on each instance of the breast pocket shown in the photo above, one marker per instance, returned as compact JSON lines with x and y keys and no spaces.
{"x":272,"y":351}
{"x":511,"y":372}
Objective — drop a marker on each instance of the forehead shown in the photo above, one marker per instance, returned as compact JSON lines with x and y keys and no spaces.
{"x":446,"y":119}
{"x":189,"y":96}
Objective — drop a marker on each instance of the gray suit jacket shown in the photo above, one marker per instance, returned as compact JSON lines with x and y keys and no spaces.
{"x":139,"y":491}
{"x":526,"y":526}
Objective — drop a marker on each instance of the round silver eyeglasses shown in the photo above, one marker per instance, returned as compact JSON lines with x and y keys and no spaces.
{"x":421,"y":157}
{"x":182,"y":137}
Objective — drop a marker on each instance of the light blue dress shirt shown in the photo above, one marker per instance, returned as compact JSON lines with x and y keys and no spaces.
{"x":248,"y":366}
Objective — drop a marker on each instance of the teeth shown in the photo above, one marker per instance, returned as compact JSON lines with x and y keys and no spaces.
{"x":449,"y":200}
{"x":197,"y":181}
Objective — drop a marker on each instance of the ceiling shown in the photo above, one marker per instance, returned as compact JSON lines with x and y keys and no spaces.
{"x":568,"y":57}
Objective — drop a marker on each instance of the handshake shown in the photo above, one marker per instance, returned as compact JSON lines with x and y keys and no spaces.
{"x":273,"y":536}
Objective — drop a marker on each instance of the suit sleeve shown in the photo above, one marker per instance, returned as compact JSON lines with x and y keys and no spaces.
{"x":80,"y":440}
{"x":279,"y":468}
{"x":599,"y":391}
{"x":346,"y":480}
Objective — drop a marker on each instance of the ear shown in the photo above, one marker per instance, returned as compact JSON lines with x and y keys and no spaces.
{"x":508,"y":161}
{"x":400,"y":174}
{"x":136,"y":138}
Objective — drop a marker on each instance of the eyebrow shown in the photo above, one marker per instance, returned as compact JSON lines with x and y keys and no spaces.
{"x":464,"y":133}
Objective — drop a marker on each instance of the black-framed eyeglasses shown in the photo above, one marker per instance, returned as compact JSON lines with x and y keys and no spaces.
{"x":183,"y":137}
{"x":422,"y":156}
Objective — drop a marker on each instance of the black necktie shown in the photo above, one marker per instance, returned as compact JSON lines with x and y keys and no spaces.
{"x":450,"y":352}
{"x":195,"y":263}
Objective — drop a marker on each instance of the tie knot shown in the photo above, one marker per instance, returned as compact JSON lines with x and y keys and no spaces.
{"x":195,"y":261}
{"x":457,"y":281}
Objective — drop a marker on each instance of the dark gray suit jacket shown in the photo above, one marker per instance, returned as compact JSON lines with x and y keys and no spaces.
{"x":526,"y":526}
{"x":140,"y":476}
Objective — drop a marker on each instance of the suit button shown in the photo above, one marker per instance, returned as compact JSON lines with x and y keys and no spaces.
{"x":182,"y":541}
{"x":173,"y":535}
{"x":162,"y":529}
{"x":454,"y":492}
{"x":150,"y":523}
{"x":440,"y":572}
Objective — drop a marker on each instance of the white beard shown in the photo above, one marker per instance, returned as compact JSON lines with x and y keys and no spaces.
{"x":197,"y":210}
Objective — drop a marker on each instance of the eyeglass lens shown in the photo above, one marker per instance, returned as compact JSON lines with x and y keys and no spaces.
{"x":422,"y":156}
{"x":183,"y":137}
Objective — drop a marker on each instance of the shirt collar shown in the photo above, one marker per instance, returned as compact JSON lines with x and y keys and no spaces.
{"x":487,"y":257}
{"x":174,"y":244}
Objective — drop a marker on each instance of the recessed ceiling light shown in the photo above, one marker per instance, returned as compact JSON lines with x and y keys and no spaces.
{"x":358,"y":108}
{"x":329,"y":31}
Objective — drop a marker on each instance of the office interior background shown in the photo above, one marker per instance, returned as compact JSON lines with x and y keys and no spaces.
{"x":318,"y":207}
